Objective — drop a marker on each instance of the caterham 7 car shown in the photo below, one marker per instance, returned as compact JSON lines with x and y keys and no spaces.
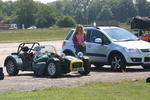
{"x":44,"y":60}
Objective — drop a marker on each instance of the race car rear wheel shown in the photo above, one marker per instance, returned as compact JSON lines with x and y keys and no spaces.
{"x":11,"y":67}
{"x":87,"y":67}
{"x":53,"y":69}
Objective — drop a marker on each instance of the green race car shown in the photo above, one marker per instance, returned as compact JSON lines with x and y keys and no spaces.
{"x":44,"y":60}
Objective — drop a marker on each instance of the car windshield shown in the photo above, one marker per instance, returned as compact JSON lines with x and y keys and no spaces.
{"x":44,"y":49}
{"x":119,"y":34}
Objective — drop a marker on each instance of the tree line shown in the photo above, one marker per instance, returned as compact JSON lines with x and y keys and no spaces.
{"x":66,"y":13}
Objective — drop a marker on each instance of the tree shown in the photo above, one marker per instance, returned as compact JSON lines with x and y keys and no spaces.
{"x":9,"y":8}
{"x":83,"y":6}
{"x":123,"y":9}
{"x":142,"y":7}
{"x":66,"y":21}
{"x":148,"y":8}
{"x":45,"y":16}
{"x":64,"y":6}
{"x":1,"y":10}
{"x":25,"y":11}
{"x":80,"y":18}
{"x":105,"y":14}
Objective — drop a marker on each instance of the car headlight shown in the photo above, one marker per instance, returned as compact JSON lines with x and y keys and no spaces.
{"x":62,"y":55}
{"x":133,"y":50}
{"x":80,"y":54}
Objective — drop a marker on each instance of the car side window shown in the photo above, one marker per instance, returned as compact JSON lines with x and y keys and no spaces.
{"x":88,"y":35}
{"x":105,"y":40}
{"x":69,"y":34}
{"x":95,"y":34}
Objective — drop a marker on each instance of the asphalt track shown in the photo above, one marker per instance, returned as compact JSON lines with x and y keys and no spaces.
{"x":25,"y":81}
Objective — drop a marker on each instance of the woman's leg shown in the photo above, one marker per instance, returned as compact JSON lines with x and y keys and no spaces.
{"x":80,"y":49}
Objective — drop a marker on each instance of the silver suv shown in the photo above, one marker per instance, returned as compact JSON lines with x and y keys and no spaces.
{"x":112,"y":46}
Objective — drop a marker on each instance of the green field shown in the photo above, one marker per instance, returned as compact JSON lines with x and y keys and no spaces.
{"x":48,"y":34}
{"x":120,"y":90}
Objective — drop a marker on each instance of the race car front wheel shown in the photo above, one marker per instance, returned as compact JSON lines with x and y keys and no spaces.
{"x":11,"y":67}
{"x":87,"y":67}
{"x":53,"y":69}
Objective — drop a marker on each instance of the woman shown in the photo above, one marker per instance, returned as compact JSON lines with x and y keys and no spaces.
{"x":79,"y":39}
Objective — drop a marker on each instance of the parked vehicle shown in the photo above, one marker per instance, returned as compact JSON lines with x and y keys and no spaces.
{"x":142,"y":25}
{"x":1,"y":74}
{"x":44,"y":60}
{"x":112,"y":46}
{"x":8,"y":26}
{"x":32,"y":27}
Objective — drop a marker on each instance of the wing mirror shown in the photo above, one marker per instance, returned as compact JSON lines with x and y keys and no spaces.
{"x":98,"y":40}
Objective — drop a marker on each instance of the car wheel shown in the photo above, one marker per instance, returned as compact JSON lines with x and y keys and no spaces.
{"x":1,"y":74}
{"x":117,"y":62}
{"x":146,"y":66}
{"x":11,"y":67}
{"x":53,"y":69}
{"x":35,"y":73}
{"x":87,"y":67}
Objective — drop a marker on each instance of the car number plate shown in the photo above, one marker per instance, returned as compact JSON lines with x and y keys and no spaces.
{"x":78,"y":69}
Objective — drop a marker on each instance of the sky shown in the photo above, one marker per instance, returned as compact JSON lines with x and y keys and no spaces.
{"x":43,"y":1}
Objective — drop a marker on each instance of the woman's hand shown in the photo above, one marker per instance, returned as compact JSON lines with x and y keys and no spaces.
{"x":83,"y":44}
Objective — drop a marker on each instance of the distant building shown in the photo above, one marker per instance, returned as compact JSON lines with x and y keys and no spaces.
{"x":8,"y":26}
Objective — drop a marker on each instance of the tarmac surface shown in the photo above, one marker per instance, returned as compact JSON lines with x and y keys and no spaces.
{"x":25,"y":81}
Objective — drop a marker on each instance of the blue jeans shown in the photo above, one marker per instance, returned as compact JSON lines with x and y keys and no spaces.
{"x":80,"y":49}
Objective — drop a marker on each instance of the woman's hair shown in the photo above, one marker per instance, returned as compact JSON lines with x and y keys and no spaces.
{"x":77,"y":29}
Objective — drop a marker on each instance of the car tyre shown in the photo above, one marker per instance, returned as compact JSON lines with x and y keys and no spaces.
{"x":53,"y":69}
{"x":11,"y":67}
{"x":1,"y":74}
{"x":118,"y":63}
{"x":87,"y":67}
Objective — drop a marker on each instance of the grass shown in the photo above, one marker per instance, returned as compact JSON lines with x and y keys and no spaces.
{"x":49,"y":34}
{"x":121,"y":90}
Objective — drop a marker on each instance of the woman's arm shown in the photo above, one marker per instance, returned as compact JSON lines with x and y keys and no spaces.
{"x":75,"y":41}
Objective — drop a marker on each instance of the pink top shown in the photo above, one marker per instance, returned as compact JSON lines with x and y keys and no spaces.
{"x":80,"y":38}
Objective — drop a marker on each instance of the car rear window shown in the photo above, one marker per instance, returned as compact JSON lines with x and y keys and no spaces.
{"x":69,"y":34}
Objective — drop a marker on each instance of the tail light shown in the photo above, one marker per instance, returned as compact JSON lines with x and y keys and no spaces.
{"x":63,"y":44}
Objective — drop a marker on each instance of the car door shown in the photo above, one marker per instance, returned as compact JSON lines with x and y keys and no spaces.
{"x":96,"y":51}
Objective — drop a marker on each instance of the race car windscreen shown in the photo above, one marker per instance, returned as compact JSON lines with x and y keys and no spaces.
{"x":45,"y":49}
